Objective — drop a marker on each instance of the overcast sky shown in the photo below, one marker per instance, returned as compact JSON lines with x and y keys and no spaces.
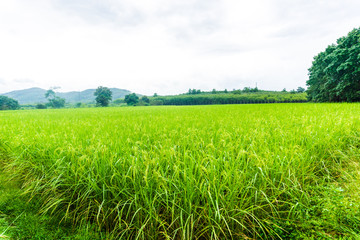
{"x":166,"y":46}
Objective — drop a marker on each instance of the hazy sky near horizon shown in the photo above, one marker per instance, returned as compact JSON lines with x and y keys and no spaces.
{"x":166,"y":46}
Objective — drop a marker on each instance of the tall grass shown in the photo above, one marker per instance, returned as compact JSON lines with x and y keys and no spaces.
{"x":199,"y":172}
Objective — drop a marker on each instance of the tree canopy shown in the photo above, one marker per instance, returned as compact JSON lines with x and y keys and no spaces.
{"x":54,"y":101}
{"x":335,"y":73}
{"x":103,"y":96}
{"x":145,"y":99}
{"x":7,"y":103}
{"x":131,"y":99}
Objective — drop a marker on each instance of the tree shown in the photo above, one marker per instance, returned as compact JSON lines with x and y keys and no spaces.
{"x":145,"y":99}
{"x":335,"y":73}
{"x":7,"y":103}
{"x":131,"y":99}
{"x":50,"y":93}
{"x":300,"y":90}
{"x":255,"y":89}
{"x":54,"y":101}
{"x":103,"y":96}
{"x":246,"y":90}
{"x":193,"y":91}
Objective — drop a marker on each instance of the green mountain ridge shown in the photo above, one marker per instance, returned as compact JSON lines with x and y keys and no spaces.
{"x":37,"y":95}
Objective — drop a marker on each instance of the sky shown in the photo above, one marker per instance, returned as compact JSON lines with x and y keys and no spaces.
{"x":166,"y":46}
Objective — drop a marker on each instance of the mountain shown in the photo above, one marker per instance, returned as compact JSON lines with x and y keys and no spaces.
{"x":37,"y":95}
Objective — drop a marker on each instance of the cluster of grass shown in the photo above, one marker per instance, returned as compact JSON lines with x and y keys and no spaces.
{"x":230,"y":98}
{"x":20,"y":218}
{"x":194,"y":172}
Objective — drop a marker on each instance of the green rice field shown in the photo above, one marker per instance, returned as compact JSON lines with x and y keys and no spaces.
{"x":254,"y":171}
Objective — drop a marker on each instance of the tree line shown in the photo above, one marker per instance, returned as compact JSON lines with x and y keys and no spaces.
{"x":193,"y":97}
{"x":231,"y":98}
{"x":198,"y":97}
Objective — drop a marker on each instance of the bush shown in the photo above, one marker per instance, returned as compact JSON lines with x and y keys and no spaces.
{"x":40,"y":106}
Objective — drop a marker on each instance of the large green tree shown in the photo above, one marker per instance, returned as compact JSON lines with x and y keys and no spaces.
{"x":7,"y":103}
{"x":54,"y":101}
{"x":103,"y":96}
{"x":131,"y":99}
{"x":335,"y":73}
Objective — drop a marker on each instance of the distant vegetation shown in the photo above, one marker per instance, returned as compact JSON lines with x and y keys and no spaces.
{"x":335,"y":73}
{"x":33,"y":96}
{"x":40,"y":106}
{"x":7,"y":103}
{"x":134,"y":100}
{"x":103,"y":96}
{"x":131,"y":99}
{"x":247,"y":95}
{"x":198,"y":97}
{"x":54,"y":100}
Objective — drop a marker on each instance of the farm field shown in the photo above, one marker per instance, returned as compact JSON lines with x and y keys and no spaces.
{"x":255,"y":171}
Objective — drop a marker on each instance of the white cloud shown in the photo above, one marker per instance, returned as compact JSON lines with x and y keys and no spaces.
{"x":167,"y":46}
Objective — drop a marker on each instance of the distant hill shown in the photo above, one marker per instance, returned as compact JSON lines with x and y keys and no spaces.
{"x":37,"y":95}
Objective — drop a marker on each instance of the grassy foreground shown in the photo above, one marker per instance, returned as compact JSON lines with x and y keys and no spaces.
{"x":196,"y":172}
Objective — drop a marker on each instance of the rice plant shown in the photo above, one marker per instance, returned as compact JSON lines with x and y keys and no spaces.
{"x":195,"y":172}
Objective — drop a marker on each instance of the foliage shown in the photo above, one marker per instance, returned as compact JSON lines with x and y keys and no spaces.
{"x":119,"y":101}
{"x":156,"y":102}
{"x":192,"y":172}
{"x":230,"y":98}
{"x":7,"y":103}
{"x":50,"y":94}
{"x":300,"y":90}
{"x":54,"y":101}
{"x":103,"y":96}
{"x":131,"y":99}
{"x":37,"y":95}
{"x":40,"y":106}
{"x":248,"y":90}
{"x":145,"y":99}
{"x":193,"y":91}
{"x":335,"y":73}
